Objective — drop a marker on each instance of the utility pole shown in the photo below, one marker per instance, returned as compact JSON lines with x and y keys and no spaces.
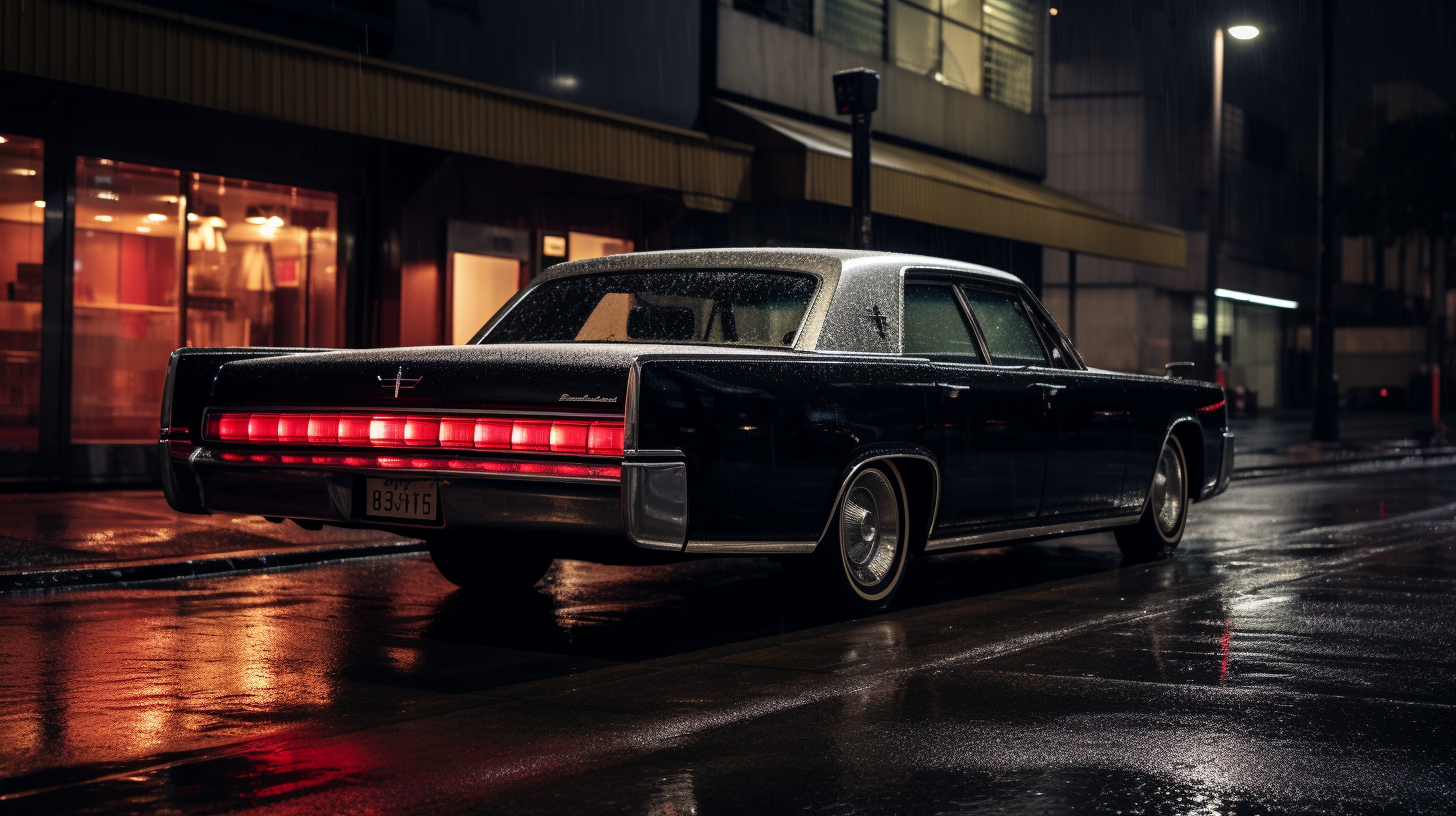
{"x":1215,"y":214}
{"x":1326,"y":426}
{"x":857,"y":93}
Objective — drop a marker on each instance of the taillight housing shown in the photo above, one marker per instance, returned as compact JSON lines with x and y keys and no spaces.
{"x":590,"y":436}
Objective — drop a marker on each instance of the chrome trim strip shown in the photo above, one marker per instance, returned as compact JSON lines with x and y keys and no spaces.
{"x":974,"y":539}
{"x":328,"y":409}
{"x":205,"y":456}
{"x":655,"y":454}
{"x":751,"y":547}
{"x":630,"y":402}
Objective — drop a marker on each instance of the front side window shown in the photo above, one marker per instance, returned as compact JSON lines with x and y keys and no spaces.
{"x":1006,"y":327}
{"x":935,"y":325}
{"x":699,"y":306}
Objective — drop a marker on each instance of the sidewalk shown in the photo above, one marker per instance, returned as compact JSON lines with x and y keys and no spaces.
{"x":1267,"y":446}
{"x":71,"y":539}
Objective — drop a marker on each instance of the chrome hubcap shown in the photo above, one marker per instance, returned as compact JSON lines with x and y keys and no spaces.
{"x":1168,"y":492}
{"x":870,"y":528}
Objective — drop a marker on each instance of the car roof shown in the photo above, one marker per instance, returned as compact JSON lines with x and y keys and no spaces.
{"x":830,"y":263}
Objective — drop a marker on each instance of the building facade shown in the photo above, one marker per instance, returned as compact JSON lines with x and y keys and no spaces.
{"x":344,"y":173}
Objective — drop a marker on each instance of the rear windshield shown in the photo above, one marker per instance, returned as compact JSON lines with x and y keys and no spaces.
{"x":705,"y":306}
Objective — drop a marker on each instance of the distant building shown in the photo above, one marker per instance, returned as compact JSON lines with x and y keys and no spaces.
{"x":1128,"y":122}
{"x":380,"y":172}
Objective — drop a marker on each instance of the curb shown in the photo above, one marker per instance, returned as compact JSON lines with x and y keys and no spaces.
{"x":1418,"y":457}
{"x":220,"y":564}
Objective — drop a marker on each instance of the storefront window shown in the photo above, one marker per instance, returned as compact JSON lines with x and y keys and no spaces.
{"x":261,"y":269}
{"x":21,"y":213}
{"x":127,"y":253}
{"x":262,"y":265}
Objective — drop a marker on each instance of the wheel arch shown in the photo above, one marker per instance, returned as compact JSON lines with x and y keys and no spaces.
{"x":918,"y":473}
{"x":1190,"y":436}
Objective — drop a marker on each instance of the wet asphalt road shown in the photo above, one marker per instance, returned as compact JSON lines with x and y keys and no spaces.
{"x":1295,"y":657}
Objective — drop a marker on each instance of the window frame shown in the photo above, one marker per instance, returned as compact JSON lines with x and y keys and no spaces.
{"x":1048,"y":333}
{"x":973,"y":330}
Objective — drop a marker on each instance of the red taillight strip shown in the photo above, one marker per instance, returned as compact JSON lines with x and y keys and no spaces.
{"x":1208,"y":409}
{"x":558,"y":470}
{"x":589,"y":436}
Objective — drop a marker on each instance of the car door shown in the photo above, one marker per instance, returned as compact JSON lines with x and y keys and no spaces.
{"x":1089,"y":431}
{"x":992,"y":441}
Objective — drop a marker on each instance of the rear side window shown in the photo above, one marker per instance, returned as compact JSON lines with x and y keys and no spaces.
{"x":934,"y":325}
{"x":1006,"y":327}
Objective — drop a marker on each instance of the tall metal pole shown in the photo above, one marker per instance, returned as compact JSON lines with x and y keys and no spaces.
{"x":1326,"y":427}
{"x":1215,"y":213}
{"x":860,"y":181}
{"x":857,"y":93}
{"x":1072,"y":296}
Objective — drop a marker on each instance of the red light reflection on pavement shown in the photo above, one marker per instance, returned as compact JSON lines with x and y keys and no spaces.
{"x":1223,"y":648}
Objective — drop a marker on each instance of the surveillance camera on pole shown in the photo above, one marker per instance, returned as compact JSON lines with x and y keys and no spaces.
{"x":857,"y":94}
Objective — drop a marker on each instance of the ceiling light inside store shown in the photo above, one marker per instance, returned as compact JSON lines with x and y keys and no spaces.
{"x":24,"y":171}
{"x":156,"y":217}
{"x":256,"y":219}
{"x":104,"y":218}
{"x":108,"y":195}
{"x":170,"y":199}
{"x":1243,"y":32}
{"x":274,"y":221}
{"x":40,"y":204}
{"x":144,"y":229}
{"x":1280,"y":303}
{"x":192,"y":218}
{"x":3,"y":140}
{"x":216,"y":223}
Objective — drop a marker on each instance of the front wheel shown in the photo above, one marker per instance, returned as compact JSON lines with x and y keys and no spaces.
{"x":863,"y":558}
{"x":485,"y":563}
{"x":1160,"y":528}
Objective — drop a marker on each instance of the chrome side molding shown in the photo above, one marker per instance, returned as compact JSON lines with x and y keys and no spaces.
{"x":751,"y":547}
{"x":655,"y":504}
{"x":975,"y":539}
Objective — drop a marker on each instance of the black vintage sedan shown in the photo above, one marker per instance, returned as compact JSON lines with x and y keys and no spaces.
{"x":839,"y":410}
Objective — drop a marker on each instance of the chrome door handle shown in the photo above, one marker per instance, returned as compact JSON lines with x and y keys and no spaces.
{"x":953,"y":391}
{"x":1051,"y":389}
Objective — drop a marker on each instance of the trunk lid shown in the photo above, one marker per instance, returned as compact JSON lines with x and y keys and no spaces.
{"x":571,"y":377}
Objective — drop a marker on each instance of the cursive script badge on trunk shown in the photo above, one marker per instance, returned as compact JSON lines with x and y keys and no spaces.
{"x":398,"y":381}
{"x":585,"y":398}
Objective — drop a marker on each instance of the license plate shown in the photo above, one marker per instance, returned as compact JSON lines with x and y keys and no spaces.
{"x":416,"y":499}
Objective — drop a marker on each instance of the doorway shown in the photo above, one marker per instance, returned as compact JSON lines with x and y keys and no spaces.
{"x":479,"y":285}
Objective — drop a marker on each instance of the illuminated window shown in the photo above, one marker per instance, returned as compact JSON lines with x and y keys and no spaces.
{"x":978,"y":47}
{"x":21,"y":244}
{"x":582,"y":245}
{"x":259,"y":263}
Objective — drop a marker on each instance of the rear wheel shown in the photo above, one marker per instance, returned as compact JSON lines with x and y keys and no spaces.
{"x":1160,"y":528}
{"x":485,"y":563}
{"x":863,"y":558}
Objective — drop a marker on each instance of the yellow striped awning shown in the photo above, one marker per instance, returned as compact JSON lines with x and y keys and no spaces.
{"x":134,"y":49}
{"x":798,"y":160}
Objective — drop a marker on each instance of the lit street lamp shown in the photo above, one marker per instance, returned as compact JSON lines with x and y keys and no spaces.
{"x":1215,"y":199}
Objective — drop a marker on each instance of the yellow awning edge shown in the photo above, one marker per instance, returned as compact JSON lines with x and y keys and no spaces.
{"x":799,"y":160}
{"x":134,"y":49}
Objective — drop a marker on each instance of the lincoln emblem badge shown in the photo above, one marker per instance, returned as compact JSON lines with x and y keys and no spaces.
{"x":398,"y":381}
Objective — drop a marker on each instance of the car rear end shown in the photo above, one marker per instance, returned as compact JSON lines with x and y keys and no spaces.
{"x":418,"y":440}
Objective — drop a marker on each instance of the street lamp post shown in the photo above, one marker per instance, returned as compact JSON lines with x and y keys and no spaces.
{"x":1326,"y":425}
{"x":1215,"y":199}
{"x":857,"y":93}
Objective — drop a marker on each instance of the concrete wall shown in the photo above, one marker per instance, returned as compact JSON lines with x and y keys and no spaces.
{"x":1136,"y":329}
{"x":769,"y":62}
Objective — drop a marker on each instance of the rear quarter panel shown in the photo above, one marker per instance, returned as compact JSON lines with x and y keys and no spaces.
{"x":768,"y":441}
{"x":1156,"y":404}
